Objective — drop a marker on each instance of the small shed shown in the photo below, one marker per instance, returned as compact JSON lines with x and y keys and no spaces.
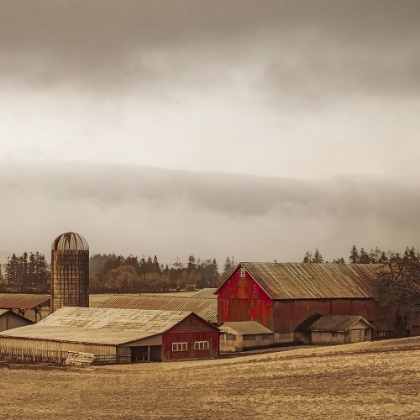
{"x":337,"y":329}
{"x":245,"y":335}
{"x":9,"y":320}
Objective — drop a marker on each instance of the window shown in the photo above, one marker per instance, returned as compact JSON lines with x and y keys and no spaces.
{"x":179,"y":346}
{"x":249,"y":337}
{"x":334,"y":334}
{"x":201,"y":345}
{"x":381,"y":334}
{"x":230,"y":337}
{"x":367,"y":332}
{"x":242,"y":272}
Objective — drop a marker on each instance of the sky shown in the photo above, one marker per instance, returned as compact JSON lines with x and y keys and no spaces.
{"x":252,"y":129}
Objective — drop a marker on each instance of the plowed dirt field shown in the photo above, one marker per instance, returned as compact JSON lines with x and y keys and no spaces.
{"x":359,"y":381}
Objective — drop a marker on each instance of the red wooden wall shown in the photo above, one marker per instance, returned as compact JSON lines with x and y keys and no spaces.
{"x":190,"y":330}
{"x":242,"y":299}
{"x":288,"y":314}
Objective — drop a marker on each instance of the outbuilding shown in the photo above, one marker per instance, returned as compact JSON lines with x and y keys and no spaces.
{"x":10,"y":320}
{"x":245,"y":335}
{"x":337,"y":329}
{"x":113,"y":335}
{"x":204,"y":307}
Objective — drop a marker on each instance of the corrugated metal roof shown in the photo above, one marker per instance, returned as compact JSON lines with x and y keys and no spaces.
{"x":23,"y":301}
{"x":205,"y":308}
{"x":70,"y":241}
{"x":244,"y":328}
{"x":99,"y":325}
{"x":336,"y":323}
{"x":313,"y":281}
{"x":207,"y":293}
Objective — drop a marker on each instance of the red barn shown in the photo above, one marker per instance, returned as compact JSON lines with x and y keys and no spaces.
{"x":282,"y":296}
{"x":113,"y":335}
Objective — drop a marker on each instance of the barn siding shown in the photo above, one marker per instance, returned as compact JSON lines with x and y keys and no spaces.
{"x":242,"y":299}
{"x":190,"y":330}
{"x":10,"y":320}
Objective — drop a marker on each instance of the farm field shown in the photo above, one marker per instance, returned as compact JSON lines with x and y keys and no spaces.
{"x":367,"y":380}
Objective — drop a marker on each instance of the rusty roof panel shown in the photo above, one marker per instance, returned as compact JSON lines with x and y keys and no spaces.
{"x":244,"y":328}
{"x":205,"y":308}
{"x":99,"y":325}
{"x":23,"y":301}
{"x":313,"y":281}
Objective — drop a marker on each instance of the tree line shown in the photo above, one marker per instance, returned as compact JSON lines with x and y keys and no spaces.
{"x":118,"y":274}
{"x":374,"y":256}
{"x":27,"y":272}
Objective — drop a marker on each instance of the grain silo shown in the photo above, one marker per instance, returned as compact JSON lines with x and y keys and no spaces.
{"x":69,"y":271}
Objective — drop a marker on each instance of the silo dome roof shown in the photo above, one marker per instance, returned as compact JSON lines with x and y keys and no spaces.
{"x":70,"y":241}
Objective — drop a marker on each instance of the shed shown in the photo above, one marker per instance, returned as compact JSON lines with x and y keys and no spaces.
{"x":337,"y":329}
{"x":245,"y":335}
{"x":281,"y":296}
{"x":22,"y":302}
{"x":204,"y":307}
{"x":9,"y":320}
{"x":113,"y":335}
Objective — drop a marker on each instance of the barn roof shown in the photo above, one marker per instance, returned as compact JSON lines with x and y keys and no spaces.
{"x":99,"y":325}
{"x":207,"y":293}
{"x":205,"y":308}
{"x":313,"y":281}
{"x":23,"y":301}
{"x":336,"y":323}
{"x":244,"y":328}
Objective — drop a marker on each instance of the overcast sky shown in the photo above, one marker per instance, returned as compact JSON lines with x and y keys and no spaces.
{"x":270,"y":127}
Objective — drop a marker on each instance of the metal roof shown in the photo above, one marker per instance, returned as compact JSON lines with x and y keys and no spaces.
{"x":99,"y":325}
{"x":244,"y":328}
{"x":313,"y":281}
{"x":23,"y":301}
{"x":70,"y":241}
{"x":205,"y":308}
{"x":336,"y":323}
{"x":207,"y":293}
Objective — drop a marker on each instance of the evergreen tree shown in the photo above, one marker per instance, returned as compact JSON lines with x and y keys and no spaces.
{"x":318,"y":258}
{"x":364,"y":257}
{"x":354,"y":255}
{"x":308,"y":257}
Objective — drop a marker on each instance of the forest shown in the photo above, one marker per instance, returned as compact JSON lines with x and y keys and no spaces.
{"x":111,"y":273}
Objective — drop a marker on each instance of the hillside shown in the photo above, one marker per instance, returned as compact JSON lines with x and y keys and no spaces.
{"x":366,"y":380}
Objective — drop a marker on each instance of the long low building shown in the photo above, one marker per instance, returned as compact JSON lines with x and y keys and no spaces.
{"x":121,"y":335}
{"x":205,"y":307}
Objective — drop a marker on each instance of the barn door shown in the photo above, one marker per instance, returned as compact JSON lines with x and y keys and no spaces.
{"x":357,"y":336}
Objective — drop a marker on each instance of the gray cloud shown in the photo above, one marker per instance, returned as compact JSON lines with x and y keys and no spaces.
{"x":138,"y":210}
{"x":298,"y":48}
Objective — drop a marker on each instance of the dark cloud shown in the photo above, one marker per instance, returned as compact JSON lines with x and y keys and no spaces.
{"x":293,"y":47}
{"x":131,"y":209}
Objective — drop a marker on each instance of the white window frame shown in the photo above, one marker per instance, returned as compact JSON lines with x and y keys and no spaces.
{"x":242,"y":272}
{"x":180,"y":346}
{"x":201,"y":345}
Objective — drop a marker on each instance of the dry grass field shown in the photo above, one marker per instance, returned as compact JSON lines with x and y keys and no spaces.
{"x":379,"y":380}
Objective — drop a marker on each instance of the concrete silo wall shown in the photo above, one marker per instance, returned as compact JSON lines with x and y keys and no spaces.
{"x":69,"y":278}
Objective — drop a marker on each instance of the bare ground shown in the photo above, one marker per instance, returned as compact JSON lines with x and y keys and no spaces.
{"x":369,"y":380}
